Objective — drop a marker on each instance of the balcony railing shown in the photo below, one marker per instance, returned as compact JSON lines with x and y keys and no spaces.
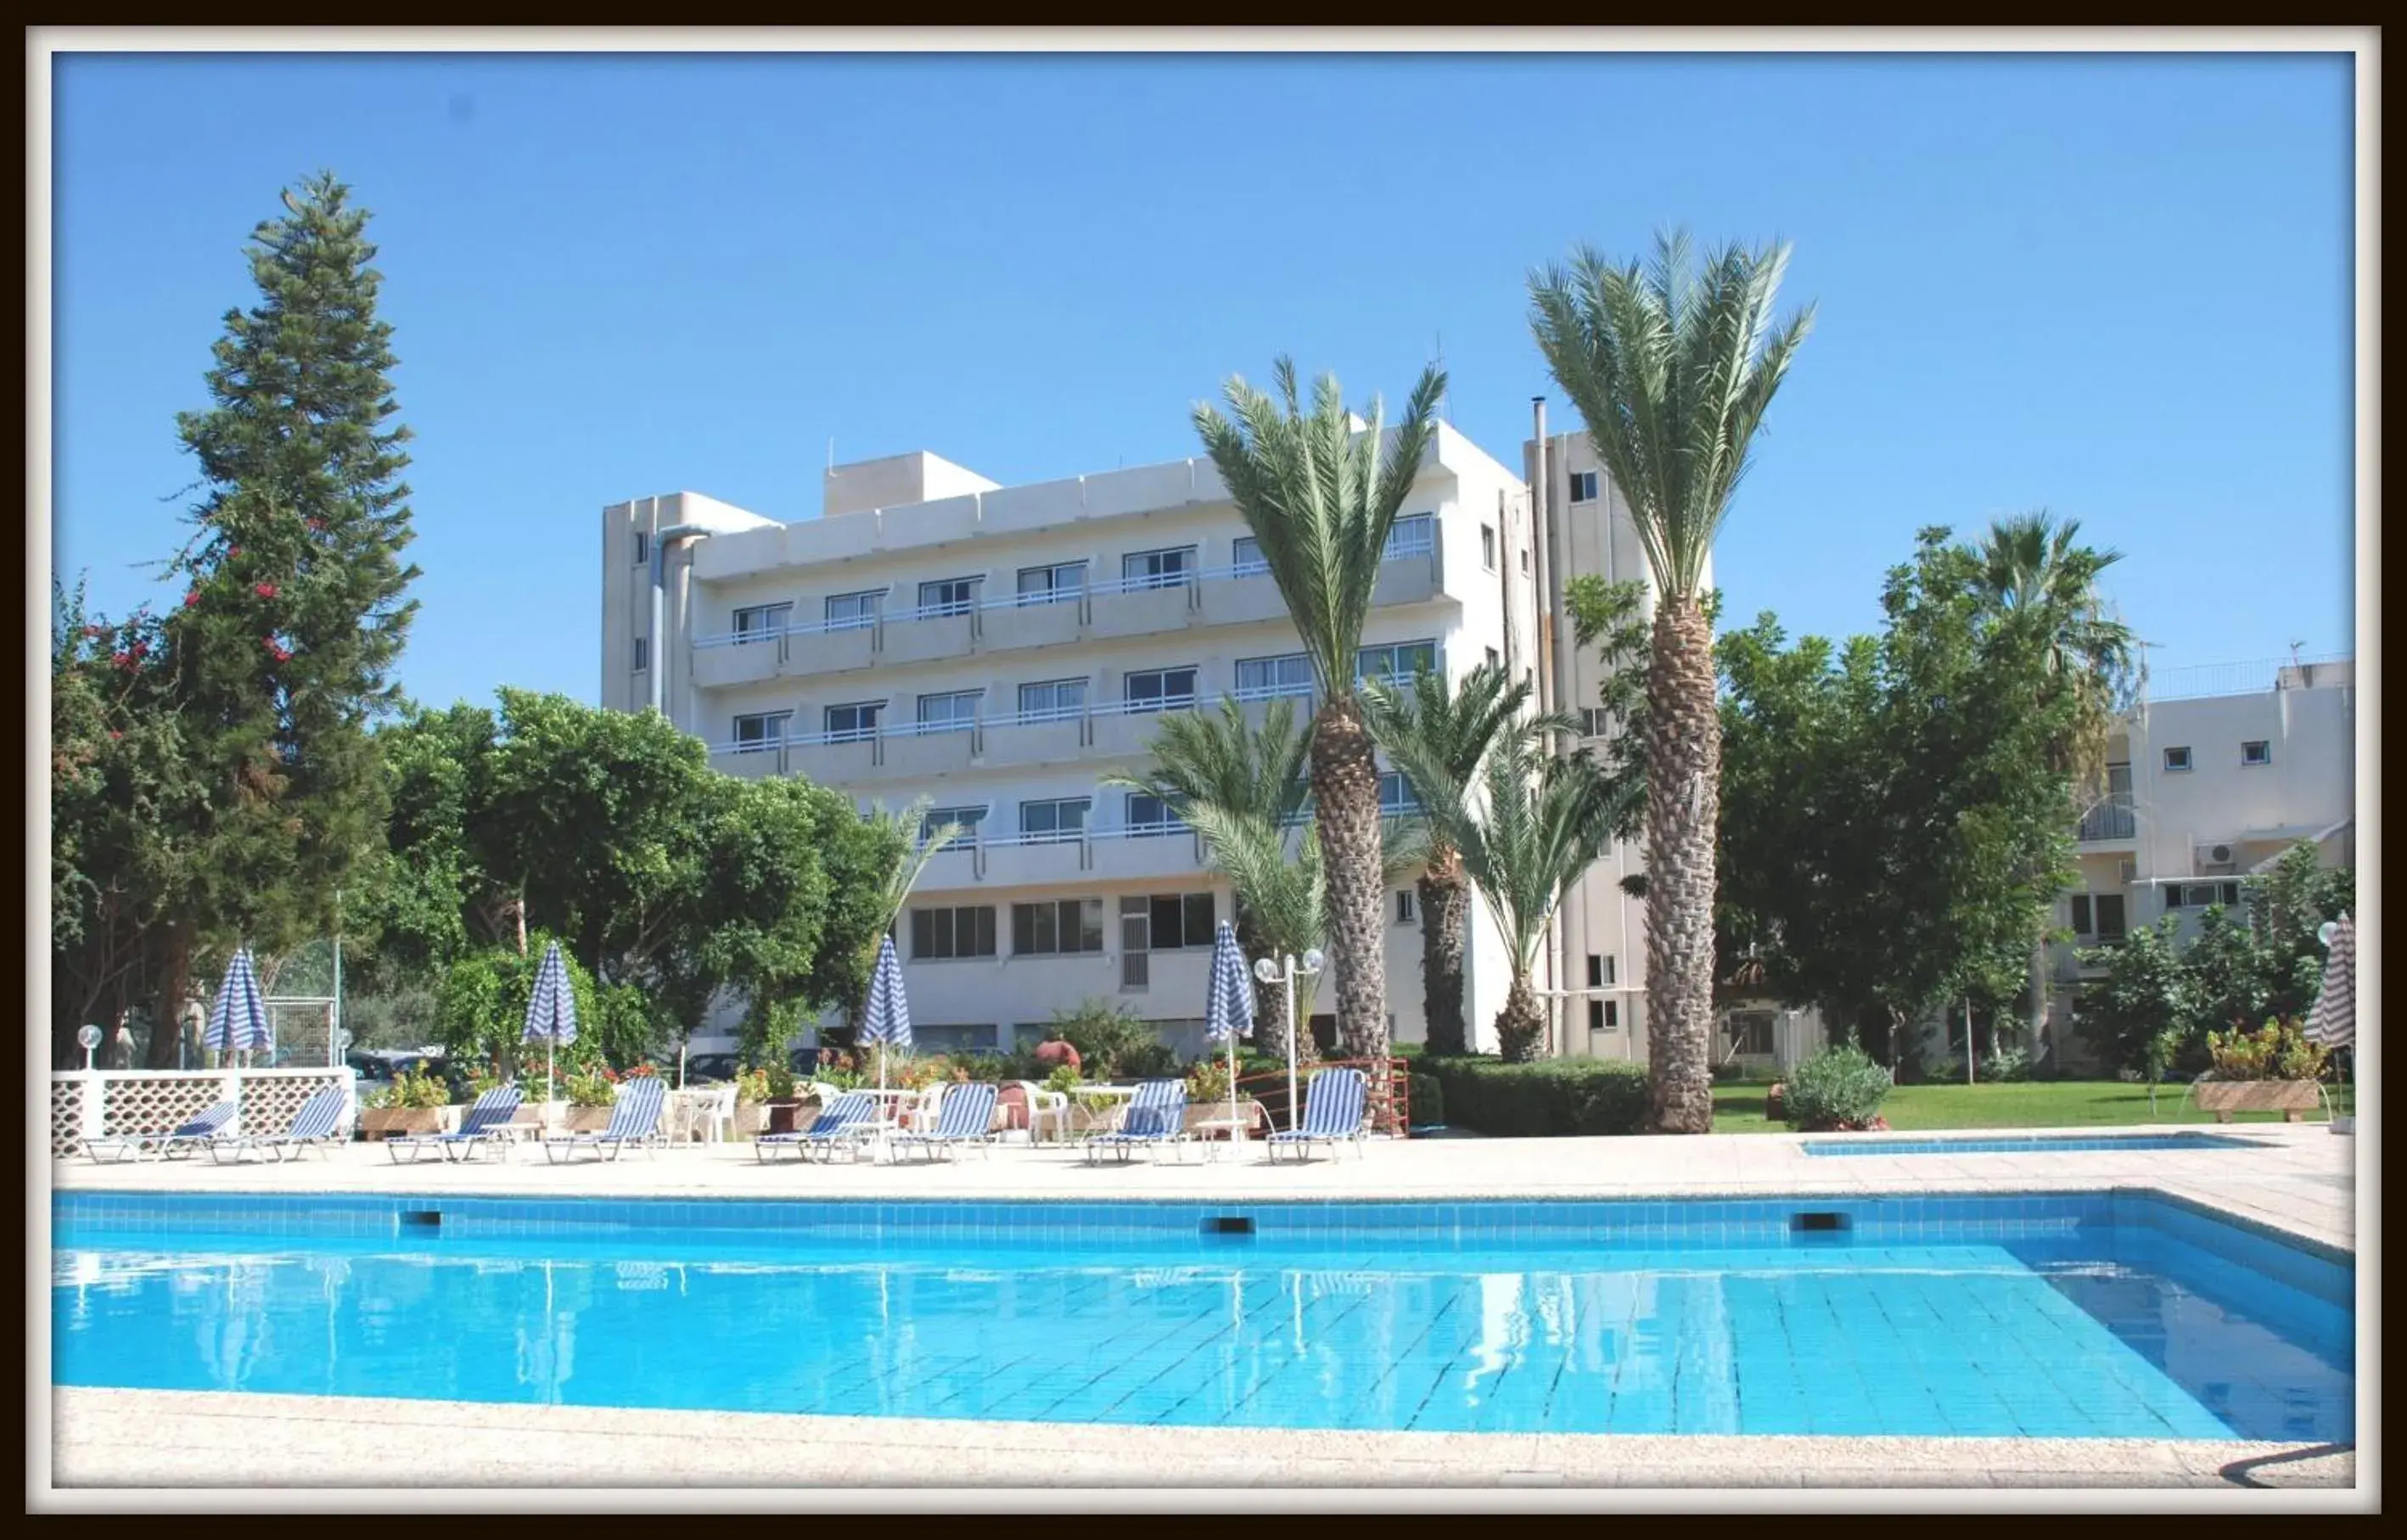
{"x":1419,"y":542}
{"x":2113,"y":819}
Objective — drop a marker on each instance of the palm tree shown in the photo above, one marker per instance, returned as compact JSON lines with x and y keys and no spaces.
{"x":1540,"y":826}
{"x":916,"y":845}
{"x":1242,"y":789}
{"x":2034,"y":573}
{"x":1318,"y":497}
{"x":1672,"y":366}
{"x":1437,"y":736}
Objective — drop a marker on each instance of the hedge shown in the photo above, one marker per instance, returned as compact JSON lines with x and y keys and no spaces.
{"x":1428,"y":1101}
{"x":1550,"y":1099}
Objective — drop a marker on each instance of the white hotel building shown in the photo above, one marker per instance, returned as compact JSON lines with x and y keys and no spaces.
{"x":997,"y":650}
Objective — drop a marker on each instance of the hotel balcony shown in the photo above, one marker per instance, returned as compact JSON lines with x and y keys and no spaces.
{"x":1143,"y":606}
{"x":1056,"y":861}
{"x":2110,"y":819}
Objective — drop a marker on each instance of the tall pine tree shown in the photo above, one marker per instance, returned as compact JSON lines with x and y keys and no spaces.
{"x":280,"y":654}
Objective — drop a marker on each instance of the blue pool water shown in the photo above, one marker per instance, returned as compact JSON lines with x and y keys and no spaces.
{"x":2065,"y":1315}
{"x":2024,"y":1144}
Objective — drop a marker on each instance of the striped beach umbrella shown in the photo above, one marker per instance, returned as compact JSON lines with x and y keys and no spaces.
{"x":2333,"y":1022}
{"x":886,"y":1021}
{"x":551,"y":1010}
{"x":1229,"y":1008}
{"x":238,"y":1019}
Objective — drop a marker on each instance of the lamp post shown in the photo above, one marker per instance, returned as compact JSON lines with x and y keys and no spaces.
{"x":88,"y":1037}
{"x":1285,"y":971}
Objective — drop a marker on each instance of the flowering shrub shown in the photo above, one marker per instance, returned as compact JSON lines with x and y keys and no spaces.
{"x":265,"y":590}
{"x":592,"y":1088}
{"x":2278,"y":1050}
{"x":1064,"y":1078}
{"x":417,"y":1089}
{"x":1208,"y":1081}
{"x":1839,"y":1088}
{"x":752,"y":1085}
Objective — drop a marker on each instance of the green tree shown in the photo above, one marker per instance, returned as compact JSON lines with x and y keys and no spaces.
{"x":1241,"y":788}
{"x":1612,"y":618}
{"x":1318,"y":496}
{"x":278,"y":658}
{"x":1672,"y":366}
{"x":1541,"y":824}
{"x":2035,"y":574}
{"x":1438,"y":736}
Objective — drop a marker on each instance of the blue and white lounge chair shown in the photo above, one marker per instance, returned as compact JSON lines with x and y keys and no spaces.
{"x":1156,"y":1117}
{"x":318,"y":1125}
{"x":844,"y":1125}
{"x":635,"y":1119}
{"x":194,"y":1133}
{"x":487,"y":1123}
{"x":965,"y":1117}
{"x":1334,"y":1106}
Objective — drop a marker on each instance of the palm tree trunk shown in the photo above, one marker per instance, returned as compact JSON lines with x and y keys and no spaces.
{"x":1346,"y":799}
{"x":1683,"y":808}
{"x":1269,"y":1000}
{"x":1521,"y":1025}
{"x":1443,"y":896}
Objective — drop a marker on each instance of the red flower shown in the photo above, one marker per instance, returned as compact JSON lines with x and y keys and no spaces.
{"x":317,"y":524}
{"x":123,"y":660}
{"x":281,"y":654}
{"x":192,"y":597}
{"x":234,"y":550}
{"x":114,"y":734}
{"x":265,"y":590}
{"x":96,"y":631}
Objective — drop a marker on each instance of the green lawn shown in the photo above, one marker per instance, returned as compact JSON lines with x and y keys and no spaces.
{"x":2036,"y":1103}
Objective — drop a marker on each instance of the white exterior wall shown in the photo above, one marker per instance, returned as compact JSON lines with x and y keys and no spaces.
{"x":967,"y":526}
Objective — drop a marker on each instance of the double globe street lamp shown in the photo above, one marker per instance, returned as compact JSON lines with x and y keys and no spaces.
{"x":1285,"y":971}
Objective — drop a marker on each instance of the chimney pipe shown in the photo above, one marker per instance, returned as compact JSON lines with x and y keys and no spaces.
{"x":660,"y":666}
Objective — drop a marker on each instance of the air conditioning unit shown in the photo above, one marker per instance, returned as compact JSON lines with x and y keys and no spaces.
{"x":2128,"y":873}
{"x":2213,"y":857}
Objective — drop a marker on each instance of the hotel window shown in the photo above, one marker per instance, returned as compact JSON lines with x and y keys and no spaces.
{"x":1751,"y":1033}
{"x":854,"y":612}
{"x":1407,"y":909}
{"x":642,"y":547}
{"x":2098,"y":914}
{"x":1415,"y":534}
{"x":2202,"y":895}
{"x":1245,"y":558}
{"x":1396,"y":799}
{"x":1052,"y":820}
{"x":761,"y":622}
{"x":1495,"y":659}
{"x":854,"y":723}
{"x":1166,"y":568}
{"x":966,"y":931}
{"x":2177,"y":758}
{"x":955,"y":711}
{"x":948,"y":596}
{"x":1057,"y":584}
{"x":1599,"y":971}
{"x":2259,"y":753}
{"x":1264,"y":678}
{"x":1057,"y":927}
{"x":1053,"y":700}
{"x":968,"y":818}
{"x":1170,"y":922}
{"x":1159,"y":689}
{"x":1149,"y":814}
{"x":1604,"y":1015}
{"x":760,"y":731}
{"x":643,"y":653}
{"x":1488,"y":547}
{"x":1396,"y":661}
{"x":1583,"y":486}
{"x":1524,"y":561}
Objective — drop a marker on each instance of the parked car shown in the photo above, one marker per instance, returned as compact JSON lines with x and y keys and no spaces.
{"x":710,"y":1068}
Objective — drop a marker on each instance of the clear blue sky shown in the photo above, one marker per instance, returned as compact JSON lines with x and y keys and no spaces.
{"x":2118,"y":288}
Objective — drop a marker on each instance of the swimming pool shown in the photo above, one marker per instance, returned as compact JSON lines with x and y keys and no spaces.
{"x":2051,"y":1315}
{"x":2026,"y":1144}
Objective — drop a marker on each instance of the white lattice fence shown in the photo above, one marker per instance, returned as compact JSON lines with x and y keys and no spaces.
{"x":155,"y":1104}
{"x":66,"y":1116}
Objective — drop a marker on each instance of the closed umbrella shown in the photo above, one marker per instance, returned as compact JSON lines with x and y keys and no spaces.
{"x":1228,"y":1009}
{"x":888,"y":1018}
{"x":238,"y":1019}
{"x":2333,"y":1020}
{"x":551,"y":1012}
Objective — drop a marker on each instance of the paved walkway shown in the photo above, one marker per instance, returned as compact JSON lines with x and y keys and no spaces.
{"x":2298,"y":1180}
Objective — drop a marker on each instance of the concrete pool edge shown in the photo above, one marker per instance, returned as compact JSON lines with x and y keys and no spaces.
{"x":104,"y":1439}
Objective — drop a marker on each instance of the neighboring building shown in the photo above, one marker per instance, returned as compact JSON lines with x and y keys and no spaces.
{"x":2219,"y":772}
{"x":996,"y":650}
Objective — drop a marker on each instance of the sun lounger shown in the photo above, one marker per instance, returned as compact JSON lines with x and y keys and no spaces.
{"x":635,"y":1119}
{"x":487,"y":1123}
{"x":1334,"y":1105}
{"x":965,"y":1117}
{"x":318,"y":1125}
{"x":194,"y":1133}
{"x":843,"y":1125}
{"x":1156,"y":1117}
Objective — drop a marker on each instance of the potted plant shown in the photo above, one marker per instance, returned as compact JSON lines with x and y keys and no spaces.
{"x":2273,"y":1069}
{"x":414,"y":1101}
{"x":784,"y":1107}
{"x":590,"y":1094}
{"x":752,"y":1102}
{"x":1207,"y":1097}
